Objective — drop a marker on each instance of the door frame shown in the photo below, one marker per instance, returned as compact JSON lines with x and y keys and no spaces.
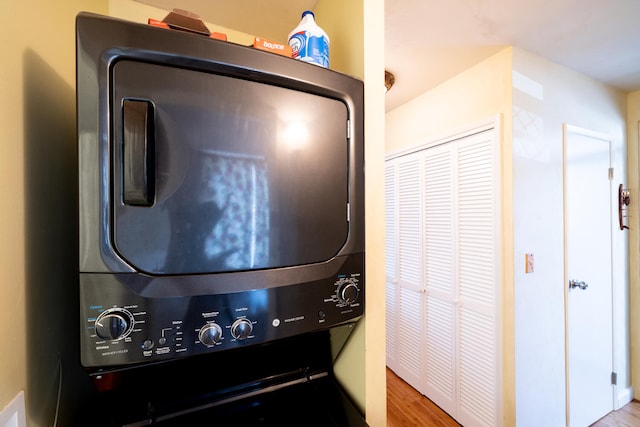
{"x":576,"y":130}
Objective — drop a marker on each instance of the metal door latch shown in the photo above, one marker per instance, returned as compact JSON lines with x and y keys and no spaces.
{"x":578,"y":284}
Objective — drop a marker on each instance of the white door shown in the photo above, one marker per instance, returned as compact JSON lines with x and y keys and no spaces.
{"x":391,"y":264}
{"x":443,"y":282}
{"x":588,"y":276}
{"x":409,"y":272}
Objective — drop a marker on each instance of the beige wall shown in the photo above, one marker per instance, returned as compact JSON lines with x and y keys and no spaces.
{"x":140,"y":12}
{"x":476,"y":94}
{"x":37,"y":116}
{"x":38,"y":239}
{"x":333,"y":17}
{"x":633,"y":182}
{"x":356,"y":30}
{"x":344,"y":23}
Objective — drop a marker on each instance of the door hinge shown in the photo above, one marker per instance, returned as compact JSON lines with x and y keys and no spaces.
{"x":614,"y":378}
{"x":610,"y":174}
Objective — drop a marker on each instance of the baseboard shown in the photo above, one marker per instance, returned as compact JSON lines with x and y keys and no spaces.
{"x":13,"y":415}
{"x":625,"y":396}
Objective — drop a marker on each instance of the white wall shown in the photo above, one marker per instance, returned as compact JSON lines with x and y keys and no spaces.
{"x":545,"y":96}
{"x":535,"y":97}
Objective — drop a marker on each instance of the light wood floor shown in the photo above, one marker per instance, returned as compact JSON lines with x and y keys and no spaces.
{"x":627,"y":416}
{"x":406,"y":407}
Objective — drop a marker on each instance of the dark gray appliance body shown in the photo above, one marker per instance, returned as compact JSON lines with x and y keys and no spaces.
{"x":198,"y":233}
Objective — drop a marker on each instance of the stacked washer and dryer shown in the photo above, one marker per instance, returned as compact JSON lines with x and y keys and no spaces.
{"x":221,"y":211}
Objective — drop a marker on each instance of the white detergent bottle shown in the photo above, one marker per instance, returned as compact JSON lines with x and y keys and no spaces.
{"x":309,"y":42}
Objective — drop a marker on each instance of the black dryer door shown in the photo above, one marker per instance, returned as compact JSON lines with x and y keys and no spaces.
{"x":213,"y":173}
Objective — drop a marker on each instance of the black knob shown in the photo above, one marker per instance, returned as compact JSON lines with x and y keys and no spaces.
{"x":241,"y":329}
{"x":348,"y":292}
{"x":210,"y":334}
{"x":113,"y":324}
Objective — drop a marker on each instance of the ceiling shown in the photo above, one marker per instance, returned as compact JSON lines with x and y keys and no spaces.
{"x":430,"y":41}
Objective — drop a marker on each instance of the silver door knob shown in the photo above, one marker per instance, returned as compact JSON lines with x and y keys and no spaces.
{"x":578,"y":284}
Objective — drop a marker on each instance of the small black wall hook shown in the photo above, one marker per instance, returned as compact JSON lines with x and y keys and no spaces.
{"x":624,"y":200}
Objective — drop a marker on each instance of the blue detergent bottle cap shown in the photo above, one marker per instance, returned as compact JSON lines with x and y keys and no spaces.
{"x":308,"y":12}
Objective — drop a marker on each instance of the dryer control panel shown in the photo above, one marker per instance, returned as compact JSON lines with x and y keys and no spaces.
{"x":122,"y":325}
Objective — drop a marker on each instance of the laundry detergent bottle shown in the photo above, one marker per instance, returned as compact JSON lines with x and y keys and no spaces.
{"x":309,"y":42}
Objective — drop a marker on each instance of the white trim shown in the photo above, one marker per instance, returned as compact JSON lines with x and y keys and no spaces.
{"x":567,"y":128}
{"x":625,"y":395}
{"x":458,"y":133}
{"x":13,"y":415}
{"x":576,"y":130}
{"x":498,"y":177}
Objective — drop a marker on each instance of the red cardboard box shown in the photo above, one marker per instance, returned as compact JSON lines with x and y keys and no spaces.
{"x":271,"y":46}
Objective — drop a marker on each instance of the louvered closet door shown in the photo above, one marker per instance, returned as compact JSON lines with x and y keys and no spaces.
{"x":410,"y":323}
{"x":443,"y":283}
{"x":391,"y":264}
{"x":440,"y":268}
{"x":478,"y":281}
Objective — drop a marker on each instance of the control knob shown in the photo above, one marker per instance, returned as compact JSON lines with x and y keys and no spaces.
{"x":241,"y":329}
{"x":348,"y":291}
{"x":114,"y":324}
{"x":210,"y":334}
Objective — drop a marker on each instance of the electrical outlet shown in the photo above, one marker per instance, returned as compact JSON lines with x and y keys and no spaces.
{"x":528,"y":263}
